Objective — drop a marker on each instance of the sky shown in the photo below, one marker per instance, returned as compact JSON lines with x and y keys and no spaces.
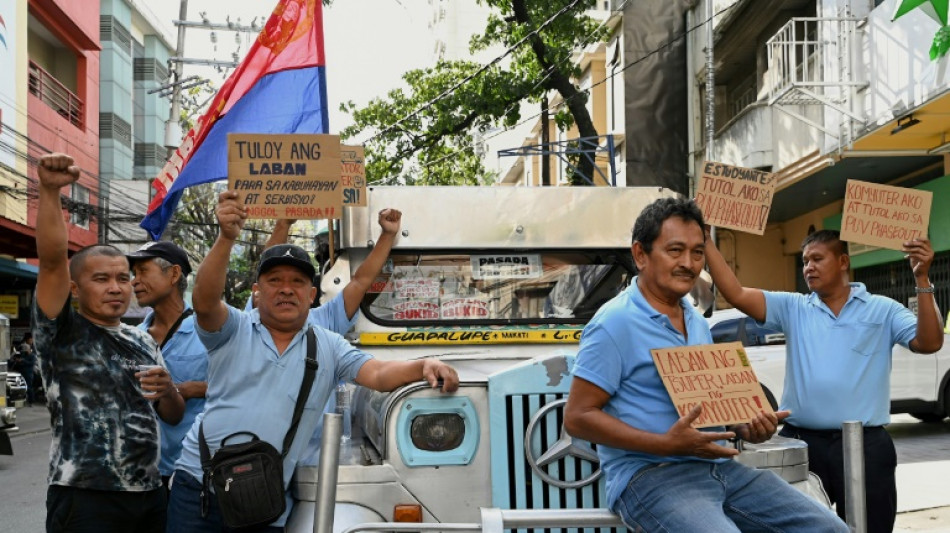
{"x":369,"y":43}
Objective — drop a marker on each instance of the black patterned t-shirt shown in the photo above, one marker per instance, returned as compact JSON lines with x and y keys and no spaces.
{"x":105,"y":433}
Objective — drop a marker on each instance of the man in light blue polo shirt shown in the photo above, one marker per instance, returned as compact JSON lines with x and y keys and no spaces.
{"x":839,"y":341}
{"x":256,"y":363}
{"x":161,"y":271}
{"x":662,"y":474}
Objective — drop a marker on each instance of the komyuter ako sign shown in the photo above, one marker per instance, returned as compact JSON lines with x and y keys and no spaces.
{"x":286,"y":176}
{"x":717,"y":376}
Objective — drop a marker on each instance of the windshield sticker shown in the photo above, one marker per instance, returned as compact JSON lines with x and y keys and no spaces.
{"x":464,"y":308}
{"x":549,"y":336}
{"x":506,"y":266}
{"x":416,"y":310}
{"x":416,"y":288}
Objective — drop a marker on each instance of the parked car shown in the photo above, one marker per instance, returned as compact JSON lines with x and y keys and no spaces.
{"x":16,"y":387}
{"x":920,"y":383}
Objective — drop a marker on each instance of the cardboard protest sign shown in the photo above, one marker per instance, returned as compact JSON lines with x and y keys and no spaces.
{"x":717,"y":376}
{"x":286,"y":176}
{"x":735,"y":197}
{"x":353,"y":176}
{"x":883,"y":215}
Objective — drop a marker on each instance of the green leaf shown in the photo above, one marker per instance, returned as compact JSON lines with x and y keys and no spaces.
{"x":906,"y":6}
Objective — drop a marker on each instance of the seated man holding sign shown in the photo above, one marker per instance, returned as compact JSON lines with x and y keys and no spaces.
{"x":839,"y":359}
{"x":662,"y":473}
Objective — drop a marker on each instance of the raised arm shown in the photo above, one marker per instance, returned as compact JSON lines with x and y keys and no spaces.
{"x":387,"y":375}
{"x":585,"y":418}
{"x":55,"y":171}
{"x":281,"y":232}
{"x":210,"y":311}
{"x":389,"y":221}
{"x":929,"y":337}
{"x":748,"y":300}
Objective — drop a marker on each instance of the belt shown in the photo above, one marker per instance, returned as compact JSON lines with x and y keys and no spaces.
{"x":827,"y":433}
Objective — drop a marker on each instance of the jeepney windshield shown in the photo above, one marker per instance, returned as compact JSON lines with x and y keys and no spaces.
{"x":496,"y":287}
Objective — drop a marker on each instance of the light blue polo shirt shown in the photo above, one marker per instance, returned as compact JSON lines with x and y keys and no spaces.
{"x":615,"y":356}
{"x":838,"y":368}
{"x":187,"y":360}
{"x":252,"y":388}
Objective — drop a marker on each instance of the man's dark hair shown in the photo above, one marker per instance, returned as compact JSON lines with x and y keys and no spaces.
{"x":828,"y":237}
{"x":78,"y":261}
{"x":647,"y":227}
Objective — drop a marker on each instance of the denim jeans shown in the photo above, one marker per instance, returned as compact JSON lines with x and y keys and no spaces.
{"x":184,"y":510}
{"x":720,"y":497}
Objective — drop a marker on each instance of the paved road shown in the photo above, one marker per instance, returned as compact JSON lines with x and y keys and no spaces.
{"x":923,"y":455}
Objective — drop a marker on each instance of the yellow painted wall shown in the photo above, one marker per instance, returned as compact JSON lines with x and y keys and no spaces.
{"x":769,"y":261}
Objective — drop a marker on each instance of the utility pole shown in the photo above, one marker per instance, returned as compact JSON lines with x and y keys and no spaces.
{"x":173,"y":126}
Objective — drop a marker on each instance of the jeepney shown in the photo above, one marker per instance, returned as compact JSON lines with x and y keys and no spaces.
{"x":7,"y":410}
{"x":498,"y":282}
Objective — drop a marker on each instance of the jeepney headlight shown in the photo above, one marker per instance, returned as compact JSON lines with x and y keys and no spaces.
{"x":437,"y":432}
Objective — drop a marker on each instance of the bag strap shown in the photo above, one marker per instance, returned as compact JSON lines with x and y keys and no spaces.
{"x":171,"y":331}
{"x":310,"y":372}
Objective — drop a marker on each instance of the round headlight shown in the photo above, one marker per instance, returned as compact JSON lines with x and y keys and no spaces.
{"x":437,"y":432}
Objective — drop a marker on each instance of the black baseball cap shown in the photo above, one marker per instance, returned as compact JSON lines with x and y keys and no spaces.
{"x":286,"y":254}
{"x":166,"y":250}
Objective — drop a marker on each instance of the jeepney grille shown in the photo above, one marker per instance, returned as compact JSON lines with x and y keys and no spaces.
{"x":528,"y":491}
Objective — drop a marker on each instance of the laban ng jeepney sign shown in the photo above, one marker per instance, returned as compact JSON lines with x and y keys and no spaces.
{"x":883,"y":215}
{"x":286,"y":176}
{"x":717,"y":376}
{"x":735,"y":197}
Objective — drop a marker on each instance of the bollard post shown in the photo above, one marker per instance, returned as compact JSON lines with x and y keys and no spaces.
{"x":852,"y":437}
{"x":327,"y":473}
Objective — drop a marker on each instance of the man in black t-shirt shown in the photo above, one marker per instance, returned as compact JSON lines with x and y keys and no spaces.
{"x":105,"y":380}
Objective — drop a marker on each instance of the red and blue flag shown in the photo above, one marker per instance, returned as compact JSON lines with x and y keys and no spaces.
{"x":280,"y":87}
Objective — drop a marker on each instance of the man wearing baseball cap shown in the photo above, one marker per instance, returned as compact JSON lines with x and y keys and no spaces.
{"x":256,"y":362}
{"x":161,"y":271}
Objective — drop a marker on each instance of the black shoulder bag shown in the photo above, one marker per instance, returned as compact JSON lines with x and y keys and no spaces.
{"x":248,"y":478}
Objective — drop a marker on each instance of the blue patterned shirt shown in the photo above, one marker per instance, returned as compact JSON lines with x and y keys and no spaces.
{"x":105,"y":433}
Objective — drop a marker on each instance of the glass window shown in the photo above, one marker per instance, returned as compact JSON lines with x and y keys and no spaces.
{"x":726,"y":331}
{"x":495,"y":287}
{"x":79,"y":214}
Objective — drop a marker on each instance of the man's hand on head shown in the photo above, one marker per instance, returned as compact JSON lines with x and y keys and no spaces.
{"x":920,"y":254}
{"x":56,"y":171}
{"x":389,"y":220}
{"x":231,"y":215}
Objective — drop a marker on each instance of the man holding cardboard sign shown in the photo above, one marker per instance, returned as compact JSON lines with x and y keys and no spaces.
{"x":662,"y":473}
{"x":839,"y":359}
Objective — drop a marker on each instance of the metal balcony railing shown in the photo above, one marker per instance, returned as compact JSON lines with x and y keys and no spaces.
{"x":54,"y":94}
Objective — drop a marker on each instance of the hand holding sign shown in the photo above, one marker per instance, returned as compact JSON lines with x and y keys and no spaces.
{"x":231,"y":215}
{"x":762,"y":427}
{"x":921,"y":255}
{"x":686,"y":440}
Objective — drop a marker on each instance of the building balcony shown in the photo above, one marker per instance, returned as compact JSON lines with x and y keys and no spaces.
{"x":54,"y":94}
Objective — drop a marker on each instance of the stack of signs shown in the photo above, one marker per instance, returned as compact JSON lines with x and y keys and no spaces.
{"x":286,"y":176}
{"x":717,"y":376}
{"x":735,"y":197}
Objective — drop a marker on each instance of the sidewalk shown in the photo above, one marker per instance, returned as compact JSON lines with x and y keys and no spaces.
{"x":923,"y":497}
